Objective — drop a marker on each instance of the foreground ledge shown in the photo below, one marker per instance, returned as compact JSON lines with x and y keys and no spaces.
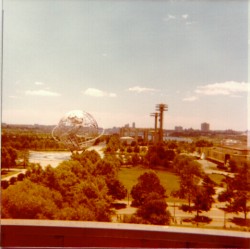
{"x":51,"y":233}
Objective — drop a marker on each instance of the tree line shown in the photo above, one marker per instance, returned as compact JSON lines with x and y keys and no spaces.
{"x":82,"y":188}
{"x":85,"y":187}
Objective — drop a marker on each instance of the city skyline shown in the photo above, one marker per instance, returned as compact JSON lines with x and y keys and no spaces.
{"x":118,"y":59}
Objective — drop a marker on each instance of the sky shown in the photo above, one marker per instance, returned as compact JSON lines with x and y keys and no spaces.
{"x":118,"y":59}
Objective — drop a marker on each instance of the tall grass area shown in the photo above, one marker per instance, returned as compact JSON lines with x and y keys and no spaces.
{"x":129,"y":177}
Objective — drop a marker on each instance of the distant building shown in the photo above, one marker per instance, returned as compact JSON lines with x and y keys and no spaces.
{"x":133,"y":125}
{"x":221,"y":154}
{"x":205,"y":127}
{"x":178,"y":128}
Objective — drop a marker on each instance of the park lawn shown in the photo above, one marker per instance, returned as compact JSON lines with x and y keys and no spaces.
{"x":217,"y":178}
{"x":129,"y":177}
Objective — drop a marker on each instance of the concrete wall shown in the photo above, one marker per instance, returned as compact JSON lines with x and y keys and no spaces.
{"x":44,"y":233}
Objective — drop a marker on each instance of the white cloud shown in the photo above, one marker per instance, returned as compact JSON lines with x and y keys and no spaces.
{"x":42,"y":93}
{"x":13,"y":97}
{"x":168,"y":18}
{"x":39,"y":83}
{"x":185,"y":16}
{"x":190,"y":99}
{"x":139,"y":89}
{"x":113,"y":95}
{"x":98,"y":93}
{"x":226,"y":88}
{"x":189,"y":23}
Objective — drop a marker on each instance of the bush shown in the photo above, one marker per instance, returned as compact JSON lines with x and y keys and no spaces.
{"x":20,"y":177}
{"x":4,"y":184}
{"x":13,"y":180}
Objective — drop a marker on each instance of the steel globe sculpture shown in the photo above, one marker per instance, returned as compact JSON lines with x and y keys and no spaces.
{"x":77,"y":130}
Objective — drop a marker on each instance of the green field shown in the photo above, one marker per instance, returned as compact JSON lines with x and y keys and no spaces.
{"x":217,"y":178}
{"x":129,"y":176}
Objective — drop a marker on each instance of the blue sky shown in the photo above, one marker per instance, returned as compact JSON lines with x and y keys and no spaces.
{"x":118,"y":59}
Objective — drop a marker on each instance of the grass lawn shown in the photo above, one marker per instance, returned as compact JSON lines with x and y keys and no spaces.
{"x":129,"y":176}
{"x":217,"y":178}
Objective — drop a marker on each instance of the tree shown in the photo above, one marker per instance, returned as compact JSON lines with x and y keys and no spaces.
{"x":195,"y":186}
{"x":5,"y":159}
{"x":106,"y":168}
{"x":13,"y":180}
{"x":154,"y":210}
{"x":135,"y":159}
{"x":8,"y":157}
{"x":203,"y":200}
{"x":87,"y":158}
{"x":201,"y":196}
{"x":92,"y":196}
{"x":116,"y":189}
{"x":183,"y":164}
{"x":169,"y":155}
{"x":147,"y":183}
{"x":25,"y":157}
{"x":28,"y":200}
{"x":203,"y":143}
{"x":113,"y":144}
{"x":20,"y":177}
{"x":237,"y":192}
{"x":190,"y":176}
{"x":4,"y":184}
{"x":159,"y":156}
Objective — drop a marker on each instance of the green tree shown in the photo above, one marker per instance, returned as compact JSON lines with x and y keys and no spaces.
{"x":159,"y":156}
{"x":8,"y":157}
{"x":116,"y":189}
{"x":25,"y":157}
{"x":91,"y":155}
{"x":237,"y":192}
{"x":135,"y":159}
{"x":183,"y":164}
{"x":28,"y":200}
{"x":106,"y":168}
{"x":113,"y":144}
{"x":20,"y":177}
{"x":153,"y":210}
{"x":201,"y":196}
{"x":190,"y":176}
{"x":147,"y":183}
{"x":203,"y":143}
{"x":92,"y":195}
{"x":4,"y":184}
{"x":5,"y":158}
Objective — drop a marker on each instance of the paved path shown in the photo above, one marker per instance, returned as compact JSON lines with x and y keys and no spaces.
{"x":219,"y":218}
{"x":210,"y":168}
{"x":19,"y":171}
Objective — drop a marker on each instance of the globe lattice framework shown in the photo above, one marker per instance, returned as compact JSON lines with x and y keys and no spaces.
{"x":76,"y":130}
